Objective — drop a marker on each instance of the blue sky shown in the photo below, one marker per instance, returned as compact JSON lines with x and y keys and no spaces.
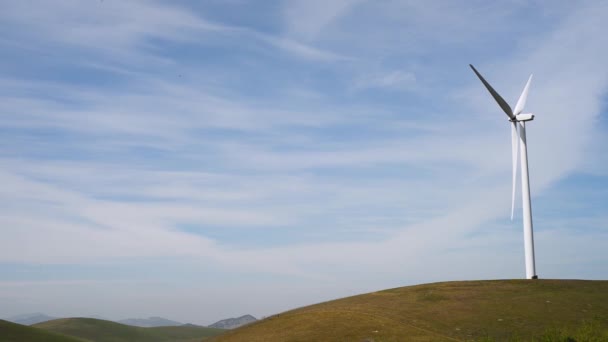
{"x":202,"y":160}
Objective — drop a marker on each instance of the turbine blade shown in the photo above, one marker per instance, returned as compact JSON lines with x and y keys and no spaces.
{"x":501,"y":102}
{"x":514,"y":149}
{"x":519,"y":107}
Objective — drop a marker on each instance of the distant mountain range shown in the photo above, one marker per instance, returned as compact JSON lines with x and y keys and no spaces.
{"x":150,"y":322}
{"x":31,"y":318}
{"x":37,"y":317}
{"x":232,"y":323}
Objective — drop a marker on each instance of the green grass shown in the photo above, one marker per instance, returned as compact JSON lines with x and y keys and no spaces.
{"x":106,"y":331}
{"x":588,"y":331}
{"x":13,"y":332}
{"x":501,"y":310}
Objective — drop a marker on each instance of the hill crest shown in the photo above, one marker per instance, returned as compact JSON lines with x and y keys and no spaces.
{"x":149,"y":322}
{"x":468,"y":310}
{"x":30,"y":318}
{"x":102,"y":330}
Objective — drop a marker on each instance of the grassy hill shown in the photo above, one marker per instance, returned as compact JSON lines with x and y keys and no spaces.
{"x":13,"y":332}
{"x":106,"y":331}
{"x":501,"y":310}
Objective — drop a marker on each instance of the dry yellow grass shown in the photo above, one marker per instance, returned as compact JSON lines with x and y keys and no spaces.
{"x":451,"y":311}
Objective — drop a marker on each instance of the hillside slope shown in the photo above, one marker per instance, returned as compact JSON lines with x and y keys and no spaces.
{"x":100,"y":331}
{"x":453,"y":311}
{"x":13,"y":332}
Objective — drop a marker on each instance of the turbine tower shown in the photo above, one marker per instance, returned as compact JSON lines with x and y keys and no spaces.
{"x":518,"y":127}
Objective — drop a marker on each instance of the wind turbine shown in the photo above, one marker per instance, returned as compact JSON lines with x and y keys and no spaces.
{"x":518,"y":125}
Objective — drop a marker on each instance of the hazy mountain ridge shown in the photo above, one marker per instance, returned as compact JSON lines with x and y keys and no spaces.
{"x":38,"y":317}
{"x":232,"y":323}
{"x":30,"y":318}
{"x":149,"y":322}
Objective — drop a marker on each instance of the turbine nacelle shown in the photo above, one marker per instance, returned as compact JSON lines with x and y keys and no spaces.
{"x":523,"y":117}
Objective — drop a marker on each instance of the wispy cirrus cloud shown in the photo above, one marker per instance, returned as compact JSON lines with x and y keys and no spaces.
{"x":307,"y":19}
{"x":397,"y":79}
{"x":121,"y":32}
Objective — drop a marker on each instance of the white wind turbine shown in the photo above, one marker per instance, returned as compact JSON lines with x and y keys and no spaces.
{"x":518,"y":123}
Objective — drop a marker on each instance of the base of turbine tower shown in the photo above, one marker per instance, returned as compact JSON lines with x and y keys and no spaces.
{"x":535,"y":277}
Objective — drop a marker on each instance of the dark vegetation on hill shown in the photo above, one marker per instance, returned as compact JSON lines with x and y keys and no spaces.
{"x":501,"y":310}
{"x":106,"y":331}
{"x":13,"y":332}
